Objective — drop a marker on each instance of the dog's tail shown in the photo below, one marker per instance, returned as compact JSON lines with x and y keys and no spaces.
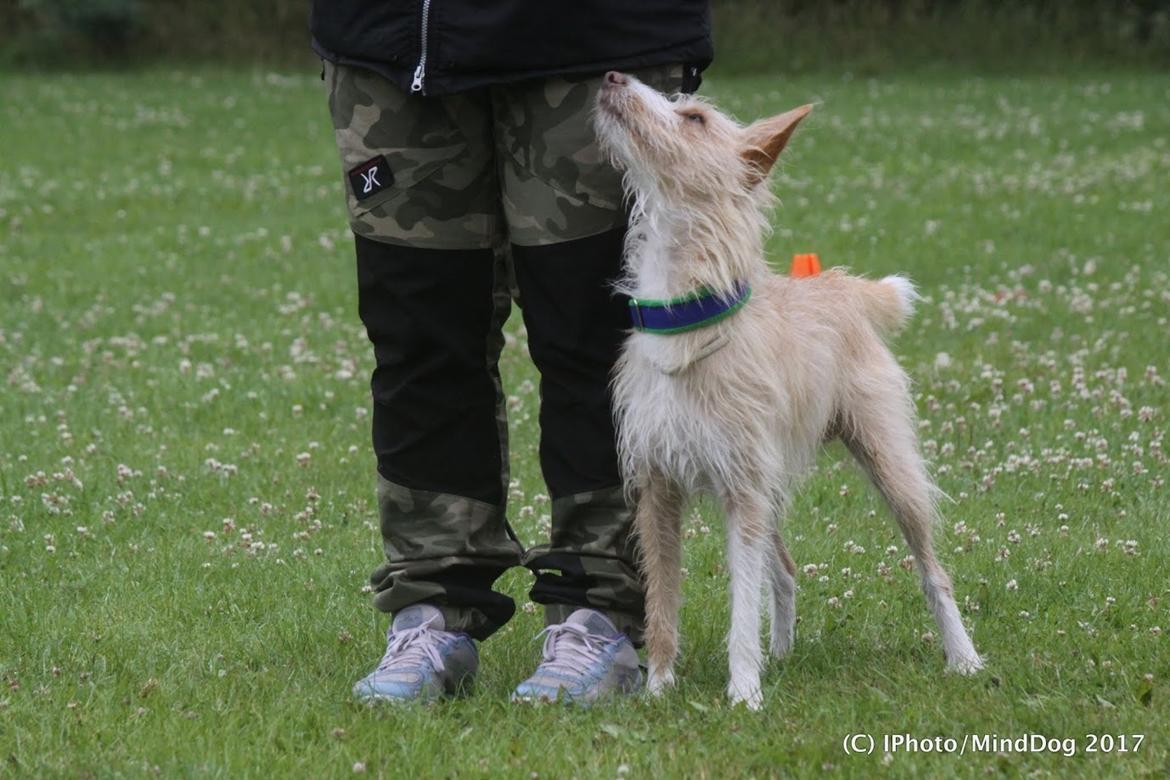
{"x":890,"y":303}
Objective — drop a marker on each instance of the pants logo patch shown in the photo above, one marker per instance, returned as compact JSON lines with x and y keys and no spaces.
{"x":370,"y":178}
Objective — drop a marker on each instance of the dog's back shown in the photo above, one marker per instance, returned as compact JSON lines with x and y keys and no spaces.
{"x":762,"y":402}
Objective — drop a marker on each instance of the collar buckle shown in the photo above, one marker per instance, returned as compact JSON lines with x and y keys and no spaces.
{"x":636,"y":314}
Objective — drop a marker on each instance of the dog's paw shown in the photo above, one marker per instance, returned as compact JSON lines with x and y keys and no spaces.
{"x":659,"y":681}
{"x":965,"y":665}
{"x":752,"y":697}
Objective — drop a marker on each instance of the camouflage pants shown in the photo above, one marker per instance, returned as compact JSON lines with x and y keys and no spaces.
{"x":457,"y":203}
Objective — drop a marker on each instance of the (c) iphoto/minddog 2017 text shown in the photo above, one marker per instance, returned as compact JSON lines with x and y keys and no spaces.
{"x":890,"y":745}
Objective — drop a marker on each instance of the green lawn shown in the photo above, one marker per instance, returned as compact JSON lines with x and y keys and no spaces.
{"x":186,"y":488}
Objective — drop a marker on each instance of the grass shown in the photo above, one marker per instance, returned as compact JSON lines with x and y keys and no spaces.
{"x":983,"y":36}
{"x":186,"y":491}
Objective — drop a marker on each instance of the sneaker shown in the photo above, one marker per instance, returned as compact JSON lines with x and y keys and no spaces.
{"x":423,"y":662}
{"x":585,"y":659}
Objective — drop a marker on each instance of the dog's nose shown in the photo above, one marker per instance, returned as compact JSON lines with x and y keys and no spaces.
{"x":613,"y":77}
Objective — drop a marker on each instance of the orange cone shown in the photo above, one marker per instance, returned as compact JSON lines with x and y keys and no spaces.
{"x":805,"y":265}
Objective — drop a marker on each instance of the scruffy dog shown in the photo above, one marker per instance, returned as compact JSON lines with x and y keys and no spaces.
{"x":734,"y":376}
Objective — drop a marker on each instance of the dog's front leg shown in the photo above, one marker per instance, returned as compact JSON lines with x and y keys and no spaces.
{"x":747,"y":540}
{"x":658,"y":522}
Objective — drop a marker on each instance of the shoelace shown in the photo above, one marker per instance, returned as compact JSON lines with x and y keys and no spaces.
{"x":570,"y":648}
{"x":411,"y":646}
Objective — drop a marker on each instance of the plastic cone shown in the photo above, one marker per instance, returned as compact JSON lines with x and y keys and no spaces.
{"x":805,"y":265}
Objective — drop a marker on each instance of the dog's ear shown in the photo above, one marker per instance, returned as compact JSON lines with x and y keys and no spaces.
{"x":766,"y":138}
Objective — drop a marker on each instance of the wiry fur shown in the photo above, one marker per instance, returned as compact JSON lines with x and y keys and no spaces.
{"x":802,"y":362}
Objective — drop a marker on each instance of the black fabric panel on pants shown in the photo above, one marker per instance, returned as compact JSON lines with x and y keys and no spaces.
{"x":428,"y":313}
{"x":575,"y":325}
{"x":570,"y":583}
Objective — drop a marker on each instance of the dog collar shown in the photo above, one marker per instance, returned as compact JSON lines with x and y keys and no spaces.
{"x":687,"y":312}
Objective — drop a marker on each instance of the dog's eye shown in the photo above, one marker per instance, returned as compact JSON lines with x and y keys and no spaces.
{"x":695,"y":117}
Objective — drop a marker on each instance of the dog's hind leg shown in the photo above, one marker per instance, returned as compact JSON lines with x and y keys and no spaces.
{"x":878,"y":429}
{"x":748,"y":543}
{"x":782,"y":571}
{"x":658,"y":523}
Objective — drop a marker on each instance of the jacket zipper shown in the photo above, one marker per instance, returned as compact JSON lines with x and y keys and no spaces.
{"x":420,"y":72}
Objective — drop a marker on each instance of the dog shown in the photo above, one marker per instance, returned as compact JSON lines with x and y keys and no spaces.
{"x":733,"y":376}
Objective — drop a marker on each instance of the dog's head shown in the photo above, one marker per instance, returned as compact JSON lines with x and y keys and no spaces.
{"x":683,"y":145}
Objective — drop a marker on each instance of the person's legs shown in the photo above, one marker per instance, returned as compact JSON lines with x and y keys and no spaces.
{"x":423,"y":204}
{"x":563,"y":203}
{"x":575,"y":325}
{"x":428,"y":313}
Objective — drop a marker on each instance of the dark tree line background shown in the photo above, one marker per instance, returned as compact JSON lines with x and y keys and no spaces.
{"x":751,"y":35}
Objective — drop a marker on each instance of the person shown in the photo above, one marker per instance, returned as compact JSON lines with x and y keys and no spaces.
{"x":473,"y":175}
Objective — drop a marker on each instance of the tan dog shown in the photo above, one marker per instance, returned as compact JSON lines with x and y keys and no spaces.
{"x":738,"y":405}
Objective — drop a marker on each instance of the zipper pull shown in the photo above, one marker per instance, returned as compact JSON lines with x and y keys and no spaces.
{"x":419,"y":74}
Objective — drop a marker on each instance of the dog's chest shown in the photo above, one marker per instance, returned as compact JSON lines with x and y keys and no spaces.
{"x":669,"y":422}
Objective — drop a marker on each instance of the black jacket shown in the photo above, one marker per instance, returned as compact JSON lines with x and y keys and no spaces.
{"x":441,"y":46}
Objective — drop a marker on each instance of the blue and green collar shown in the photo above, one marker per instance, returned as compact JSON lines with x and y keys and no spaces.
{"x":687,"y":312}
